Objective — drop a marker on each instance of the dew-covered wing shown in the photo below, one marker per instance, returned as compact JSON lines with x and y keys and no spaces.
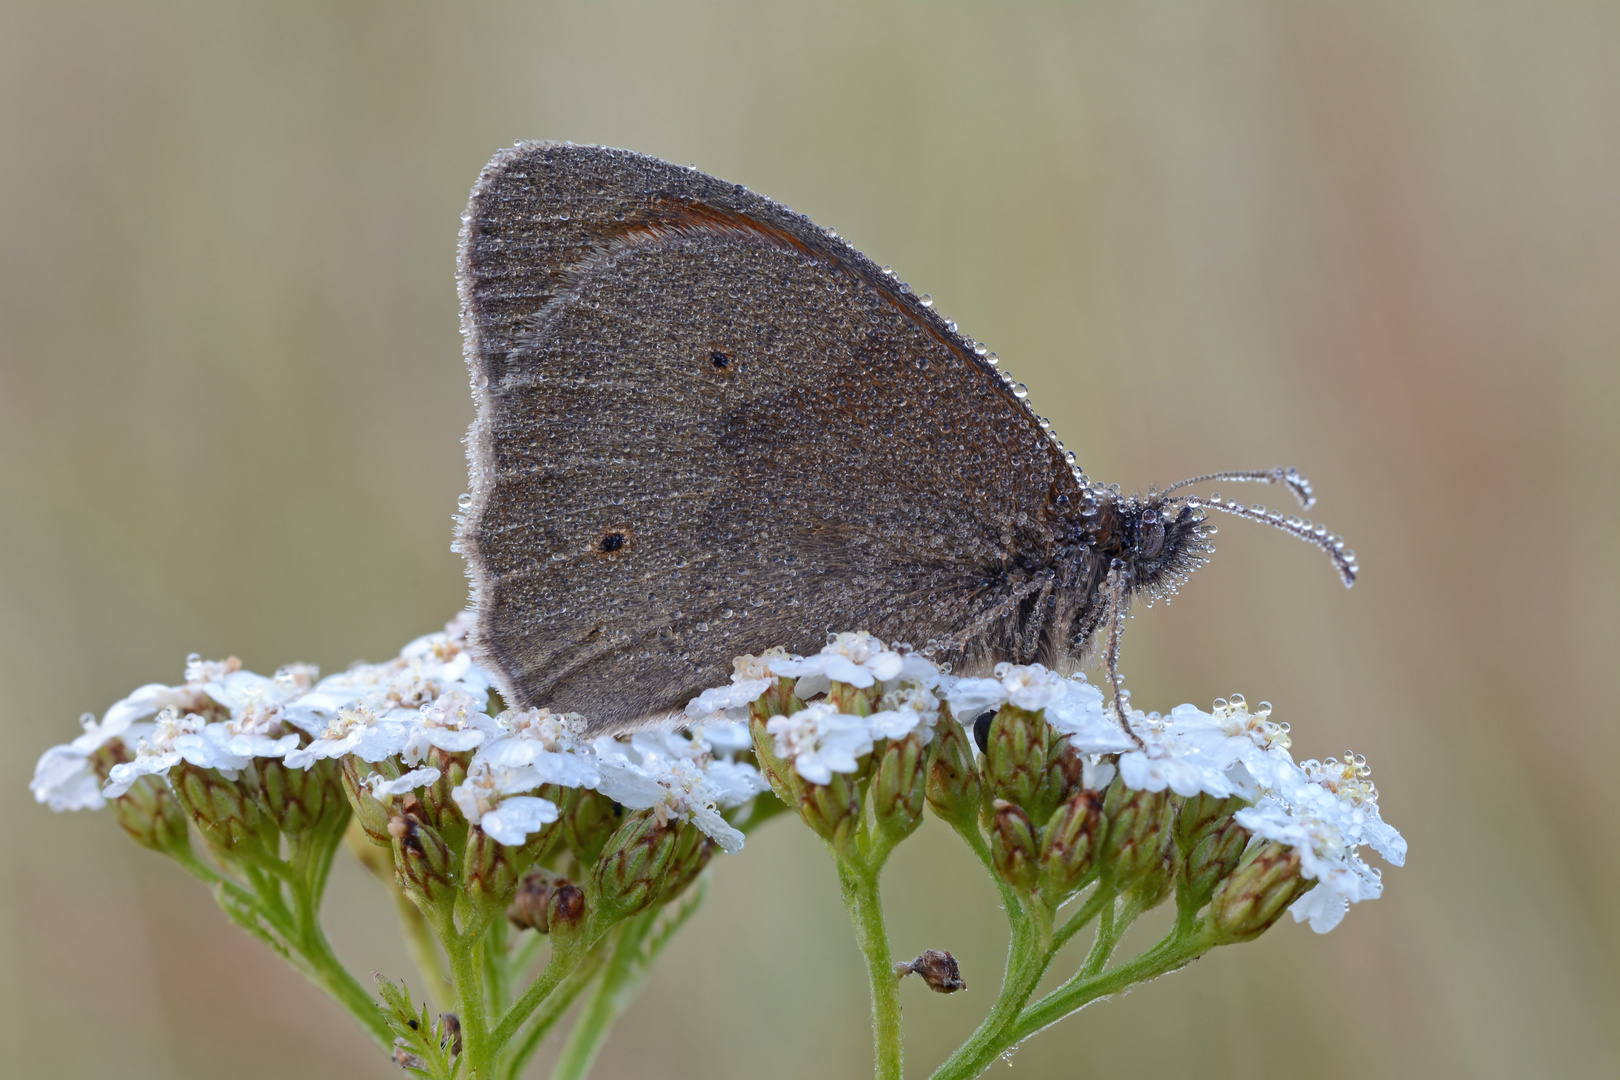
{"x":705,"y":427}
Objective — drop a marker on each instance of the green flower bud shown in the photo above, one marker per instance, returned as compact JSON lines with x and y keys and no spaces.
{"x":1069,"y":845}
{"x":1197,"y":816}
{"x":693,"y":850}
{"x":153,"y":817}
{"x":1213,"y":856}
{"x":1257,"y":893}
{"x":424,"y":865}
{"x":588,"y":825}
{"x":225,"y":811}
{"x":1013,"y":847}
{"x":633,"y":869}
{"x":296,"y":799}
{"x":898,"y":784}
{"x":442,"y":811}
{"x":1065,"y":775}
{"x":491,"y":870}
{"x":1015,"y":753}
{"x":371,"y":813}
{"x":833,"y":810}
{"x":1138,"y":832}
{"x":954,"y":791}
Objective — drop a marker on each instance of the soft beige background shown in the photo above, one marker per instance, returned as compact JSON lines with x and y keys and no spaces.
{"x":1378,"y":241}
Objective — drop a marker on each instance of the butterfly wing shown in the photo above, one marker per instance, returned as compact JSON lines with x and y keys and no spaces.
{"x":705,"y":427}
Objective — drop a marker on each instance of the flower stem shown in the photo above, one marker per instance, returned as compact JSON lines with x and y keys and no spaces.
{"x":605,"y":1002}
{"x":1029,"y":952}
{"x":1176,"y":949}
{"x":551,"y":1011}
{"x":465,"y":948}
{"x":865,"y":907}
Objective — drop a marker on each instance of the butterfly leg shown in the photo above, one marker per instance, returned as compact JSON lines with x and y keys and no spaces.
{"x":1117,"y":600}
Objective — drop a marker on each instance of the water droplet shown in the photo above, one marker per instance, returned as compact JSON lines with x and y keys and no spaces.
{"x":464,"y":500}
{"x":1020,"y":391}
{"x":993,"y":359}
{"x":926,"y":300}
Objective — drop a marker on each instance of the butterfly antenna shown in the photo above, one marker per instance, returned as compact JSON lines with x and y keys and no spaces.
{"x":1344,"y":560}
{"x":1290,"y":478}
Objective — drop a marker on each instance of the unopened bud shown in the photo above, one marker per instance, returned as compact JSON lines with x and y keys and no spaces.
{"x":369,"y":811}
{"x":1254,"y":897}
{"x":833,"y":809}
{"x":693,"y":850}
{"x":1138,"y":830}
{"x":937,"y":968}
{"x":442,"y":811}
{"x":423,"y":863}
{"x":1214,"y":855}
{"x":296,"y":799}
{"x":632,"y":871}
{"x":953,"y":789}
{"x":1015,"y":757}
{"x":152,"y":816}
{"x":587,"y":826}
{"x":491,"y":870}
{"x":898,"y":783}
{"x":854,"y":700}
{"x":1202,"y":813}
{"x":1013,"y":848}
{"x":1065,"y":775}
{"x":223,"y":810}
{"x":1069,"y":845}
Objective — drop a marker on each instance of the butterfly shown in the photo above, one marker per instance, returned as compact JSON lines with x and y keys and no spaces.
{"x":707,"y":426}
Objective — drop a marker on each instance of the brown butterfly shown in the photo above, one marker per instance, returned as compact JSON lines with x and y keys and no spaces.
{"x":707,"y":426}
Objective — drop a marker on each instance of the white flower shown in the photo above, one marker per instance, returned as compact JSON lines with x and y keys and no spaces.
{"x":1092,"y":728}
{"x":551,"y":744}
{"x":382,"y":788}
{"x":1028,"y":686}
{"x":357,"y":730}
{"x":855,"y":659}
{"x":173,"y":739}
{"x":64,"y":777}
{"x":1325,"y":816}
{"x":819,"y":741}
{"x":453,"y":722}
{"x":902,"y":711}
{"x":1165,"y":760}
{"x":751,"y":676}
{"x":490,"y":798}
{"x":680,"y":787}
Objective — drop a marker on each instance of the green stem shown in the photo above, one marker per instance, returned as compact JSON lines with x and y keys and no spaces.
{"x":466,"y":952}
{"x":1089,"y":908}
{"x":551,"y":1011}
{"x":564,"y":959}
{"x":865,"y":907}
{"x":591,"y":1029}
{"x":1173,"y":951}
{"x":322,"y":966}
{"x":1029,"y":952}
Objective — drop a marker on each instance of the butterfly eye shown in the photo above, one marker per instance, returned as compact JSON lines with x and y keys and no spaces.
{"x":981,"y":730}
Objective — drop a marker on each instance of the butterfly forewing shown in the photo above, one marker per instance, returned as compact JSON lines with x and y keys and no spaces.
{"x":702,"y":432}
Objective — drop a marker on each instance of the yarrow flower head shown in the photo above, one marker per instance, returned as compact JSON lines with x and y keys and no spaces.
{"x":855,"y":659}
{"x":1328,"y":813}
{"x":819,"y":741}
{"x":492,"y":799}
{"x":690,"y":788}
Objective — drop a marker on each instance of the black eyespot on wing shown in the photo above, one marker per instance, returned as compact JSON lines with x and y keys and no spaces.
{"x":719,"y":359}
{"x":613,"y":541}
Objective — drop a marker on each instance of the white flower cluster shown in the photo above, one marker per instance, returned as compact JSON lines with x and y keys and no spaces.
{"x":1325,"y":810}
{"x":820,"y":739}
{"x":432,"y":696}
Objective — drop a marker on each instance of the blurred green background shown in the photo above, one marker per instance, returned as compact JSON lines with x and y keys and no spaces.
{"x":1380,"y":242}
